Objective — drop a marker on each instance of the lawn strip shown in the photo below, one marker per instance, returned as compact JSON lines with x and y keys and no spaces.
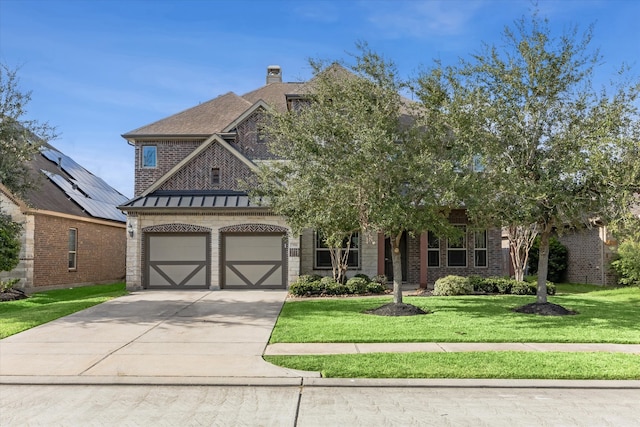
{"x":480,"y":365}
{"x":604,"y":316}
{"x":43,"y":307}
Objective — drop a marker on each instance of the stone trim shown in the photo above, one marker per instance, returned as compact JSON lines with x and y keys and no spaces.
{"x":176,"y":228}
{"x":254,"y":228}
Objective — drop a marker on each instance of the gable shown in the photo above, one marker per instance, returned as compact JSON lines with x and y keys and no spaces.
{"x":196,"y":173}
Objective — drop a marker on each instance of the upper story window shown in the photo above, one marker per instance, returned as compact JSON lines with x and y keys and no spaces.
{"x":323,"y":256}
{"x":433,"y":250}
{"x":480,"y":248}
{"x":215,"y":177}
{"x":457,"y":248}
{"x":73,"y":249}
{"x":149,"y":156}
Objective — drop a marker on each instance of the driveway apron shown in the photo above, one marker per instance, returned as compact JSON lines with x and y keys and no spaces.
{"x":152,"y":335}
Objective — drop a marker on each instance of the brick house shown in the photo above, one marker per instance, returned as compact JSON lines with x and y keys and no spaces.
{"x":73,"y":234}
{"x":191,"y":226}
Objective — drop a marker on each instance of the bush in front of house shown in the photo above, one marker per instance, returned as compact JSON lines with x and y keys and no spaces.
{"x":357,"y":285}
{"x":455,"y":285}
{"x":452,"y":285}
{"x":381,"y":279}
{"x":627,"y":265}
{"x":314,"y":285}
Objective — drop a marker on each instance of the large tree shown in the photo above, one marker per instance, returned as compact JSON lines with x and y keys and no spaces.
{"x":20,"y":138}
{"x":356,"y":159}
{"x":555,"y":153}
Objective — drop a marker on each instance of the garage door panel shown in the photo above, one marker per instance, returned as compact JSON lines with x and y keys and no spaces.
{"x":254,"y":260}
{"x":177,"y":261}
{"x":256,"y":248}
{"x":178,"y":248}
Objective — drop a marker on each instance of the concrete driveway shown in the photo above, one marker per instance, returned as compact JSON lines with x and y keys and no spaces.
{"x":158,"y":337}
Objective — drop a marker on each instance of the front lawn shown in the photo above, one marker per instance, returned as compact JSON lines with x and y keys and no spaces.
{"x":43,"y":307}
{"x":604,"y":316}
{"x":502,"y":365}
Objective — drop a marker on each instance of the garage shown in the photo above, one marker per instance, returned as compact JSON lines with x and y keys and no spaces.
{"x":177,"y":260}
{"x":254,"y":260}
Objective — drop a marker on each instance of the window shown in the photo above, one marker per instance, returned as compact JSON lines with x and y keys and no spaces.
{"x":149,"y":156}
{"x":73,"y":248}
{"x":457,"y":248}
{"x":323,"y":257}
{"x":433,"y":250}
{"x":480,"y":248}
{"x":215,"y":177}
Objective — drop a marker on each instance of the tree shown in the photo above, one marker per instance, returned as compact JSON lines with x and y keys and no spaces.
{"x":355,"y":158}
{"x":9,"y":242}
{"x":554,"y":151}
{"x":20,"y":139}
{"x":521,"y":239}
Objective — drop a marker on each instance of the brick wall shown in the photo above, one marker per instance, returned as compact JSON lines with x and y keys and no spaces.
{"x":100,"y":252}
{"x":249,"y":141}
{"x":169,"y":153}
{"x":588,"y":257}
{"x":196,"y":175}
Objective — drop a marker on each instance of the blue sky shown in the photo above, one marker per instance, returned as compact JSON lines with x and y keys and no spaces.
{"x":98,"y":69}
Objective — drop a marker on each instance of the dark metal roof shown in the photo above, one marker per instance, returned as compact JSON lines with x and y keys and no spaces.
{"x":195,"y":200}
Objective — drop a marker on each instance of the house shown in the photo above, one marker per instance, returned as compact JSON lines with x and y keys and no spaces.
{"x":191,"y":226}
{"x":73,"y":234}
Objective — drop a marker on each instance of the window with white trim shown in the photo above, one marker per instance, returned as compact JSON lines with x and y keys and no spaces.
{"x":322,"y":256}
{"x":433,"y":250}
{"x":73,"y":249}
{"x":457,"y":248}
{"x":480,"y":248}
{"x":149,"y":156}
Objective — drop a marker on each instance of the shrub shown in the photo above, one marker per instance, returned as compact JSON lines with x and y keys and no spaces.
{"x":558,"y":258}
{"x":331,"y":287}
{"x":481,"y":285}
{"x":362,"y":276}
{"x":357,"y":285}
{"x":380,"y":278}
{"x":452,"y":285}
{"x":627,"y":266}
{"x":376,"y":288}
{"x":306,"y":285}
{"x":523,"y":288}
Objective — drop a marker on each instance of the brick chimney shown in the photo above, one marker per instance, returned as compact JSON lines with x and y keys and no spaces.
{"x":274,"y":74}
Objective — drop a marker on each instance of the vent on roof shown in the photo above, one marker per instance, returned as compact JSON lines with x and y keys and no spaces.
{"x":274,"y":74}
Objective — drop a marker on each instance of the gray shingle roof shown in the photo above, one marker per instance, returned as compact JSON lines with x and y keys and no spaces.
{"x":203,"y":120}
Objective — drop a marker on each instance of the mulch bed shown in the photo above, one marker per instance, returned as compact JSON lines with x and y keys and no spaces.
{"x":12,"y":295}
{"x":399,"y":309}
{"x":545,"y":309}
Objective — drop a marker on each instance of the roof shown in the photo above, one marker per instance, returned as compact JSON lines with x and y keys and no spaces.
{"x":193,"y":200}
{"x":273,"y":94}
{"x":202,"y":120}
{"x":66,"y":187}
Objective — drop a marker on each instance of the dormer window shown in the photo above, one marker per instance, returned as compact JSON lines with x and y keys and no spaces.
{"x":149,"y":156}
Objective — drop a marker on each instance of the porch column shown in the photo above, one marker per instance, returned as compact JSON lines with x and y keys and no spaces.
{"x":381,"y":263}
{"x":423,"y":260}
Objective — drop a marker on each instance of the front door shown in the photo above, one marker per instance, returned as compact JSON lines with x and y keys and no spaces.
{"x":388,"y":261}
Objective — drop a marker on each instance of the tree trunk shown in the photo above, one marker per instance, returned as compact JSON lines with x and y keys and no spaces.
{"x":543,"y":265}
{"x":396,"y":258}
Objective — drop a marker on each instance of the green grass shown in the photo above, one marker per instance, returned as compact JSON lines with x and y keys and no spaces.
{"x":43,"y":307}
{"x":501,"y":365}
{"x":605,"y":316}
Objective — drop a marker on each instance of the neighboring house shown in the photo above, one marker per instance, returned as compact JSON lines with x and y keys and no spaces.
{"x":73,"y":234}
{"x":191,"y":226}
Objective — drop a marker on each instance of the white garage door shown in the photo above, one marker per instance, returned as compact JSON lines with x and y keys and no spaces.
{"x":177,"y":260}
{"x":253,"y":260}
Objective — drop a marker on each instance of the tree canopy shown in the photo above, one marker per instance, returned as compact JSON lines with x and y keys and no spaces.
{"x":554,"y":152}
{"x":20,"y":138}
{"x":356,"y":158}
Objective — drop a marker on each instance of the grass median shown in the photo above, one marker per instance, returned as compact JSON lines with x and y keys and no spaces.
{"x":605,"y":315}
{"x":43,"y":307}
